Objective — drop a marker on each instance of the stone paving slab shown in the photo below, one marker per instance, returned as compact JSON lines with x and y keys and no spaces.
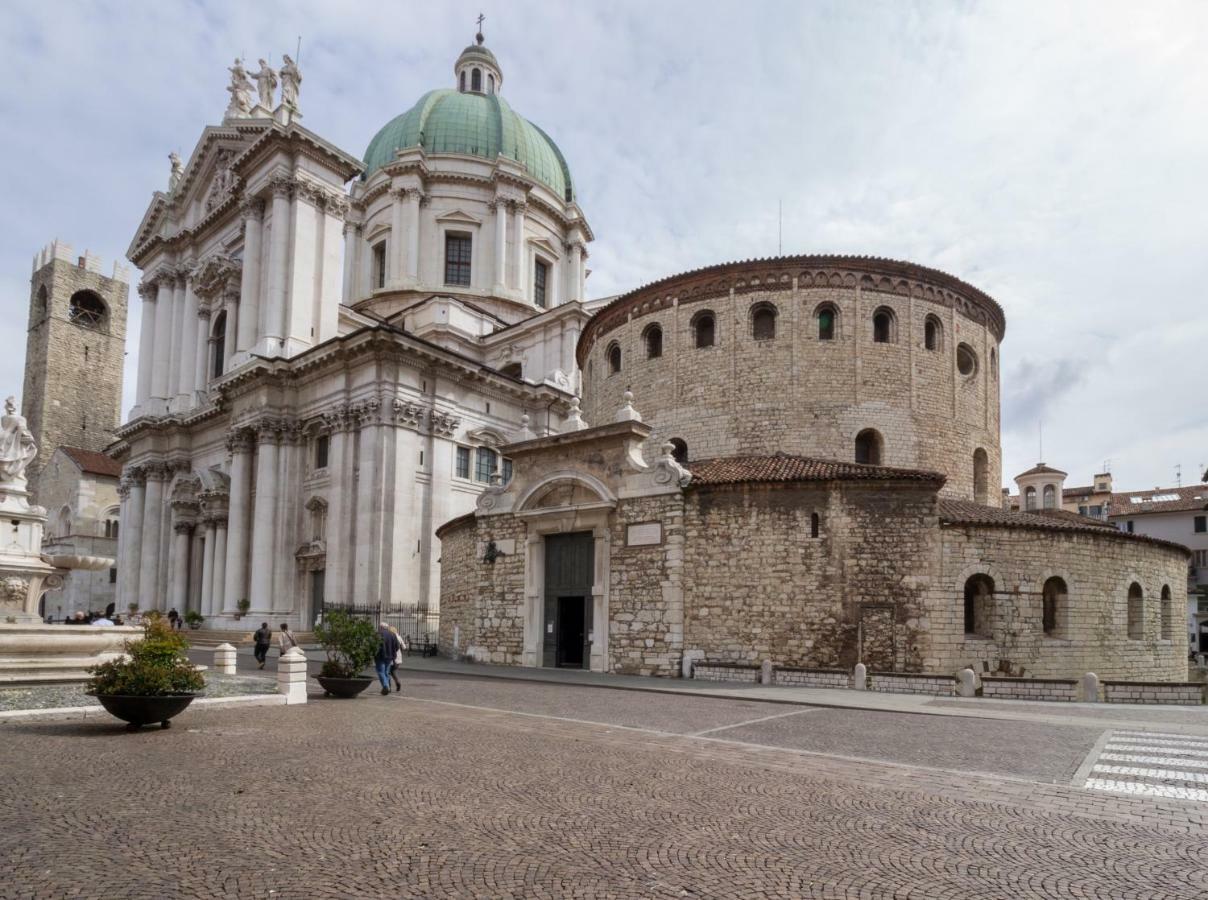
{"x":402,"y":797}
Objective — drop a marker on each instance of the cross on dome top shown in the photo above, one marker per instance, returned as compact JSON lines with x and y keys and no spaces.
{"x":477,"y":71}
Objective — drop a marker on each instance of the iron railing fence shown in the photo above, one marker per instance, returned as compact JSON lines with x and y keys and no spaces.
{"x":418,"y":626}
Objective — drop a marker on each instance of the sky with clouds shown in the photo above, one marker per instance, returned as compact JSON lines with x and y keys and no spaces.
{"x":1053,"y":154}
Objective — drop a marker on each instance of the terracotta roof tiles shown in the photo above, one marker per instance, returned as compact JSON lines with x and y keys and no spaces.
{"x":965,"y":512}
{"x":93,"y":462}
{"x":1176,"y":499}
{"x":784,"y":467}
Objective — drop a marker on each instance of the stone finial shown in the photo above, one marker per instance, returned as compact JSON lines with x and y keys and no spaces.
{"x":574,"y":417}
{"x":627,"y":413}
{"x":525,"y":432}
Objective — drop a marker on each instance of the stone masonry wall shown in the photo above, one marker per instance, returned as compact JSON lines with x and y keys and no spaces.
{"x":1185,"y":694}
{"x":722,"y":672}
{"x":799,"y":394}
{"x":458,"y":589}
{"x":757,"y":586}
{"x":1029,"y":689}
{"x":815,"y":678}
{"x":895,"y":683}
{"x":498,"y":616}
{"x":1092,"y":633}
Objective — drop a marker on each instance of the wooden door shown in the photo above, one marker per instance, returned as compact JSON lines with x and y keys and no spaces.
{"x":569,"y":573}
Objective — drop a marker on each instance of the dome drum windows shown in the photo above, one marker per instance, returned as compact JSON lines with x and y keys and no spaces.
{"x":652,"y":340}
{"x":1054,"y":607}
{"x":763,"y":322}
{"x":869,"y":447}
{"x":884,"y":326}
{"x":966,"y":360}
{"x":87,"y":310}
{"x":704,"y":328}
{"x":679,"y":450}
{"x":828,"y":322}
{"x":613,"y":354}
{"x":476,"y":81}
{"x":1167,"y":614}
{"x":933,"y":334}
{"x":1136,"y":612}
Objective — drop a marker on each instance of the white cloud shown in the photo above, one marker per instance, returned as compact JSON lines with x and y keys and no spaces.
{"x":1051,"y":154}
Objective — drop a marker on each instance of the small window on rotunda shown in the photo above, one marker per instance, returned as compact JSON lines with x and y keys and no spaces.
{"x":979,"y":606}
{"x":703,"y":328}
{"x":882,"y":326}
{"x":828,"y":321}
{"x":1050,"y":497}
{"x":86,"y":309}
{"x":868,"y":447}
{"x":679,"y":450}
{"x":763,"y":322}
{"x":981,"y":476}
{"x":614,"y":358}
{"x":1029,"y":499}
{"x":42,"y":308}
{"x":966,"y":360}
{"x":458,"y":252}
{"x":1167,"y":614}
{"x":476,"y":80}
{"x":540,"y":280}
{"x":815,"y":524}
{"x":652,"y":337}
{"x":1136,"y":612}
{"x":932,"y":334}
{"x":1053,"y":606}
{"x":993,"y":363}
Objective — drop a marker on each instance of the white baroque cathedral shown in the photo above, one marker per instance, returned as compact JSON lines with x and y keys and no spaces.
{"x":334,"y":349}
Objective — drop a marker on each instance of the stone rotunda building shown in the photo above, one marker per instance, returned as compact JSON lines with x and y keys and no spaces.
{"x":811,"y":481}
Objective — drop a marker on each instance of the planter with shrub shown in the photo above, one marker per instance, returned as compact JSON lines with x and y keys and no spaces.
{"x":243,"y":606}
{"x":350,"y":644}
{"x":153,"y":683}
{"x":193,"y":618}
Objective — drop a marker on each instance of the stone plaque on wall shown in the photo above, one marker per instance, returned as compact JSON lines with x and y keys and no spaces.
{"x":644,"y":534}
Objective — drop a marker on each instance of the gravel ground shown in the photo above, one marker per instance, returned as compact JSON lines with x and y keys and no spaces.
{"x":54,"y":696}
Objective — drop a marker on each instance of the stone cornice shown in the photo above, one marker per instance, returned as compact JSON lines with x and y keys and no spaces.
{"x":782,"y":273}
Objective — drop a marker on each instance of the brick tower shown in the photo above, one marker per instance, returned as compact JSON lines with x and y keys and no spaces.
{"x":74,"y":353}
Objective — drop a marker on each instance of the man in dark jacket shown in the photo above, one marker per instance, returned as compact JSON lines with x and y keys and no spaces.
{"x":388,"y":647}
{"x":264,"y":640}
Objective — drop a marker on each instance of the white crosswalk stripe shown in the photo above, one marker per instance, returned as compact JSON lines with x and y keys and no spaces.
{"x":1151,"y":764}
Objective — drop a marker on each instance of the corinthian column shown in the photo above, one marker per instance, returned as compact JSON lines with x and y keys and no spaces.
{"x":518,"y":247}
{"x":187,"y":367}
{"x":233,"y":315}
{"x":414,"y":199}
{"x":161,"y":361}
{"x":220,"y":552}
{"x":367,"y":572}
{"x":207,"y":571}
{"x":183,"y":529}
{"x":149,"y":552}
{"x":352,"y":244}
{"x":176,"y":335}
{"x":278,"y":267}
{"x":130,"y":536}
{"x":235,"y":584}
{"x":339,"y":508}
{"x":576,"y":272}
{"x":499,"y":279}
{"x":249,"y":286}
{"x":201,"y":352}
{"x":146,"y":342}
{"x":397,"y":264}
{"x":264,"y":517}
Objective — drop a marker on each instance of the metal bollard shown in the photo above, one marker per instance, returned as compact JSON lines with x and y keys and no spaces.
{"x":224,"y":659}
{"x":291,"y":676}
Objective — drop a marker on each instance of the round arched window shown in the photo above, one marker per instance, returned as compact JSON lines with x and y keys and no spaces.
{"x":86,"y":309}
{"x":966,"y":359}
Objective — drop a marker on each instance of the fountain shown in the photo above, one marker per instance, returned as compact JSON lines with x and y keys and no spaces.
{"x":31,"y":651}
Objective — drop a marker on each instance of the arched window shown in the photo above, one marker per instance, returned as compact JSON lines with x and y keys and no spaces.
{"x":476,"y":80}
{"x":1054,"y":607}
{"x":63,"y":522}
{"x":828,"y":321}
{"x":679,"y":450}
{"x":993,"y":363}
{"x":966,"y":360}
{"x":703,"y":327}
{"x":1050,"y":497}
{"x":933,"y":334}
{"x":979,"y":606}
{"x":815,"y":524}
{"x":763,"y":322}
{"x":461,"y":81}
{"x":1029,"y":498}
{"x":868,"y":447}
{"x":512,"y":370}
{"x":490,"y":83}
{"x":42,"y":308}
{"x":218,"y":341}
{"x":614,"y":358}
{"x":883,"y":326}
{"x":1136,"y":612}
{"x":652,"y":337}
{"x":86,"y":309}
{"x":981,"y":476}
{"x":1167,"y":614}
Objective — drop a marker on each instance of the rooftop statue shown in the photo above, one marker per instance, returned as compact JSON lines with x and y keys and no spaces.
{"x":240,"y":90}
{"x":291,"y":80}
{"x":178,"y":169}
{"x":266,"y":84}
{"x":17,"y":447}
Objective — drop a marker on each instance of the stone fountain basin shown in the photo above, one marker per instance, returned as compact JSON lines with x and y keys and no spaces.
{"x":41,"y":653}
{"x":75,"y":561}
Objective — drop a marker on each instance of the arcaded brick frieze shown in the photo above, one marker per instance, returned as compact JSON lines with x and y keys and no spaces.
{"x":795,"y":392}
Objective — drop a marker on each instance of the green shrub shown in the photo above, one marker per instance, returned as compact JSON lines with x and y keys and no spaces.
{"x":156,"y":665}
{"x":350,"y":643}
{"x":193,"y":617}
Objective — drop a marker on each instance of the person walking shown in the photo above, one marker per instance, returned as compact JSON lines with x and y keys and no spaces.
{"x":264,"y":639}
{"x":388,"y":647}
{"x":398,"y":658}
{"x":285,"y":640}
{"x":173,"y":619}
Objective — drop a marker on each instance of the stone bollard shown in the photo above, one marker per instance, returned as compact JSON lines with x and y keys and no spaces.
{"x":966,"y":683}
{"x":688,"y":663}
{"x":291,"y":676}
{"x":859,"y":678}
{"x":765,"y":672}
{"x":1090,"y":688}
{"x":224,"y":659}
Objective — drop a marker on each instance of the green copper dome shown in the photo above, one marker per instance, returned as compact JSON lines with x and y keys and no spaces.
{"x":449,"y":121}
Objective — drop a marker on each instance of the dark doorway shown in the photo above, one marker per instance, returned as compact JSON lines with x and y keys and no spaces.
{"x":572,"y":632}
{"x":318,"y":580}
{"x":1204,"y":637}
{"x":569,"y":567}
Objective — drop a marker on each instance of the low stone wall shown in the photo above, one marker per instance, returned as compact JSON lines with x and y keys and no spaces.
{"x":1175,"y":693}
{"x":815,"y":678}
{"x":1029,"y":688}
{"x":720,"y":671}
{"x":911,"y":683}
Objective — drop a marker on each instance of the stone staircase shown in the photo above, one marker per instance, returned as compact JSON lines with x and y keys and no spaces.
{"x":208,"y":638}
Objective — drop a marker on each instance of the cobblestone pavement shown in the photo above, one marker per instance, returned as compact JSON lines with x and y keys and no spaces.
{"x":50,"y":696}
{"x":404,"y":796}
{"x":1151,"y":764}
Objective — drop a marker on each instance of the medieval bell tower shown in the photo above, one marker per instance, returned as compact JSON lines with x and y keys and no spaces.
{"x":73,"y":353}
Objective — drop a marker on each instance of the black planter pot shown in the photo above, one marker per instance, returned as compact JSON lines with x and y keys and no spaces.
{"x":344,"y":687}
{"x":138,"y":711}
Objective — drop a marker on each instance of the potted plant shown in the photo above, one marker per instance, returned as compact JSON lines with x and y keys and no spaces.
{"x":350,"y":644}
{"x":243,"y":606}
{"x":132,"y":608}
{"x":194,"y":619}
{"x":152,"y":683}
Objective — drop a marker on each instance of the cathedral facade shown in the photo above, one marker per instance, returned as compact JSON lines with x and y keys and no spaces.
{"x":334,"y":349}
